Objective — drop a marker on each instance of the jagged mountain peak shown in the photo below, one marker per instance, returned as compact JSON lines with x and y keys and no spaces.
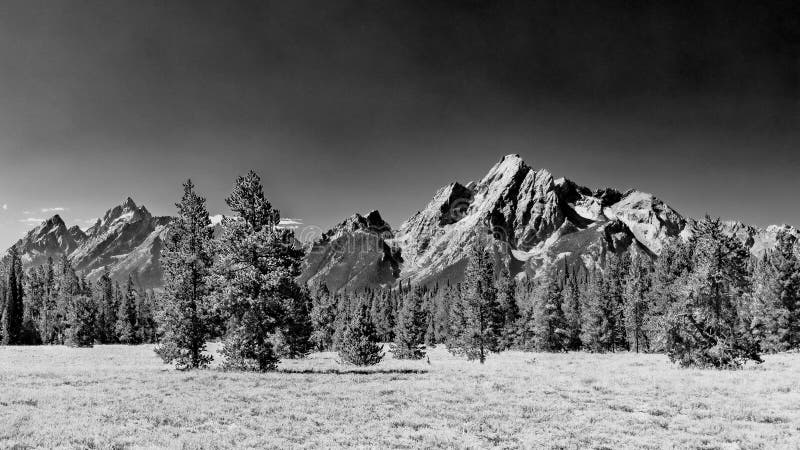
{"x":50,"y":238}
{"x":353,"y":254}
{"x":126,"y":212}
{"x":372,"y":223}
{"x":506,"y":169}
{"x":54,"y":224}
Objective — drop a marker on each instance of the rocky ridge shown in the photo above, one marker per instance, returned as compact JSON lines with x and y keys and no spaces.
{"x":529,"y":219}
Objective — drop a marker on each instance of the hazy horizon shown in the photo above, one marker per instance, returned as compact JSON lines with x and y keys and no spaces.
{"x":351,"y":106}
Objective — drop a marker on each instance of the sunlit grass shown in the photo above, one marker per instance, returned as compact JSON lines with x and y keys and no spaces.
{"x":118,"y":396}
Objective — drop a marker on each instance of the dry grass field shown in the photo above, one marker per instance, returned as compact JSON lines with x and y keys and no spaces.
{"x":124,"y":397}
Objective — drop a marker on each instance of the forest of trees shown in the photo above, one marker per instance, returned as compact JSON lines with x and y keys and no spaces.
{"x":51,"y":304}
{"x":704,"y":302}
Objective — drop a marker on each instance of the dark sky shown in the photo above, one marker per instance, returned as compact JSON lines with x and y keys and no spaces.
{"x":346,"y":106}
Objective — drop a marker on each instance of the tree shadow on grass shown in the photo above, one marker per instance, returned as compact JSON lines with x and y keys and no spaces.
{"x":352,"y":371}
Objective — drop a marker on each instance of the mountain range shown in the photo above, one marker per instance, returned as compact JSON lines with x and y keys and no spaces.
{"x":126,"y":240}
{"x":529,"y":219}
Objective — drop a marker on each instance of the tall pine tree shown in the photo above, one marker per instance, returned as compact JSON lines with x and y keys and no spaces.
{"x":255,"y":276}
{"x":410,"y":330}
{"x":597,"y":325}
{"x":768,"y":318}
{"x":476,"y":317}
{"x":359,"y":343}
{"x":549,"y":326}
{"x":323,"y":317}
{"x":185,"y":319}
{"x":705,"y":326}
{"x":571,"y":307}
{"x":787,"y":268}
{"x":13,"y":310}
{"x":507,"y":302}
{"x":637,"y":287}
{"x":127,"y":321}
{"x":107,"y":309}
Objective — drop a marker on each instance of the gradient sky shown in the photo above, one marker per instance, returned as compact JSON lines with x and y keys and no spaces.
{"x":346,"y":106}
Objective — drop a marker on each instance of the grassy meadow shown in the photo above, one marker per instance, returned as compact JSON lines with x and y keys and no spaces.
{"x":124,"y":397}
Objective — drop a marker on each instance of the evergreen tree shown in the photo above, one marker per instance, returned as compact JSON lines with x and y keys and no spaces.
{"x":13,"y":310}
{"x":295,"y":336}
{"x":81,"y":319}
{"x":382,"y":313}
{"x":549,"y":327}
{"x":185,"y":319}
{"x":507,"y":301}
{"x":787,"y":268}
{"x":443,"y":305}
{"x":107,"y":309}
{"x":323,"y":317}
{"x":410,"y":330}
{"x":33,"y":302}
{"x":344,"y":314}
{"x":637,"y":287}
{"x":145,"y":312}
{"x":597,"y":326}
{"x":476,"y":317}
{"x":429,"y":310}
{"x":571,"y":307}
{"x":704,"y":326}
{"x":56,"y":298}
{"x":65,"y":285}
{"x":255,"y":277}
{"x":616,"y":272}
{"x":670,"y":268}
{"x":767,"y":316}
{"x":127,"y":321}
{"x":359,"y":343}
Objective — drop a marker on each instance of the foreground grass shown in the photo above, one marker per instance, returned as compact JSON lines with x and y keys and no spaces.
{"x":119,"y":397}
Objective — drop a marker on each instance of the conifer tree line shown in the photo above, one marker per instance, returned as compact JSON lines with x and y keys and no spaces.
{"x":51,"y":304}
{"x":704,"y":302}
{"x":240,"y":287}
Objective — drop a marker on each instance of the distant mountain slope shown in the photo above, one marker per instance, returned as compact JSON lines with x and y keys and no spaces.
{"x":353,"y":254}
{"x":127,"y":240}
{"x":529,"y":220}
{"x":49,"y":239}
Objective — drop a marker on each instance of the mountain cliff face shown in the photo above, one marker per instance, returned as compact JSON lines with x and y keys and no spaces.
{"x":127,"y":240}
{"x":531,"y":221}
{"x":528,"y":219}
